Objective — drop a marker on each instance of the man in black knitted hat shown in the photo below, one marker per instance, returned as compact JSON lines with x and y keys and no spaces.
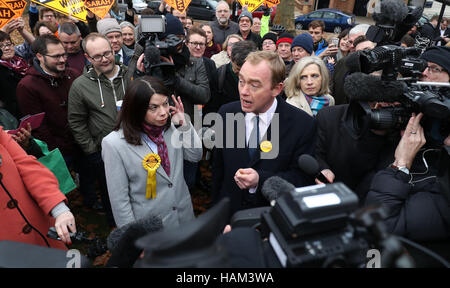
{"x":438,"y":69}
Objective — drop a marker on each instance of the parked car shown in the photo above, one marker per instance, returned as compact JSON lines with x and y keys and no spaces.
{"x":202,"y":9}
{"x":197,"y":9}
{"x":138,"y":5}
{"x":259,"y":12}
{"x":335,"y":20}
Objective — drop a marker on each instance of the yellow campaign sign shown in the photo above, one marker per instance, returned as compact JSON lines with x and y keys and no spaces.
{"x":179,"y":5}
{"x":251,"y":4}
{"x":6,"y":13}
{"x":17,"y":6}
{"x":73,"y":8}
{"x":99,"y":7}
{"x":271,"y":3}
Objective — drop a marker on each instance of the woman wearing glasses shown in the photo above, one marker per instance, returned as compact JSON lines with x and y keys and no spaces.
{"x":144,"y":156}
{"x":12,"y":69}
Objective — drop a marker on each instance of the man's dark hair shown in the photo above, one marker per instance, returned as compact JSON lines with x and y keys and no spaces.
{"x":148,"y":11}
{"x":4,"y":36}
{"x":408,"y":40}
{"x":69,"y":28}
{"x":359,"y":39}
{"x":317,"y":23}
{"x":241,"y":50}
{"x":135,"y":106}
{"x":196,"y":30}
{"x":40,"y":43}
{"x":45,"y":9}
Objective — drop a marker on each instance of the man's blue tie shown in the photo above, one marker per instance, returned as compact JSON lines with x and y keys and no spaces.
{"x":253,"y":143}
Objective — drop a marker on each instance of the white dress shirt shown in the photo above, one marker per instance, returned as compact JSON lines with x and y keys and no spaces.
{"x":264,"y":122}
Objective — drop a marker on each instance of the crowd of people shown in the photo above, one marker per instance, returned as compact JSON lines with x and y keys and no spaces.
{"x":132,"y":124}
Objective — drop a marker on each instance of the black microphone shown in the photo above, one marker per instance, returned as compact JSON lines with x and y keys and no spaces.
{"x":390,"y":11}
{"x":274,"y":187}
{"x":152,"y":56}
{"x":208,"y":137}
{"x":121,"y":241}
{"x":310,"y":166}
{"x":367,"y":88}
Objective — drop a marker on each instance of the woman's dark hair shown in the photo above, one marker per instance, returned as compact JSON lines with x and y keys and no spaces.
{"x":135,"y":106}
{"x":4,"y":36}
{"x":343,"y":33}
{"x":49,"y":25}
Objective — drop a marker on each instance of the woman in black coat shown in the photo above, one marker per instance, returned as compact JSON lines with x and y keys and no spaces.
{"x":415,"y":188}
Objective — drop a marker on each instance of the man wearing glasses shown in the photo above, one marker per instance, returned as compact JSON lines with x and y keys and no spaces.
{"x":223,"y":26}
{"x":438,"y":58}
{"x":93,"y":106}
{"x":45,"y":88}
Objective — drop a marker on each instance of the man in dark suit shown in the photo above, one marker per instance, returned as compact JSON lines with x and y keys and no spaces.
{"x":264,"y":138}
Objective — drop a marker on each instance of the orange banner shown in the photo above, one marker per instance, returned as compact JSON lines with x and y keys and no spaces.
{"x":99,"y":7}
{"x":252,"y":5}
{"x":271,"y":3}
{"x":179,"y":5}
{"x":17,"y":6}
{"x":6,"y":13}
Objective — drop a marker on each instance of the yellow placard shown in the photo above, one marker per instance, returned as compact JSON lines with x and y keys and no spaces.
{"x":271,"y":3}
{"x":252,"y":5}
{"x":179,"y":5}
{"x":99,"y":7}
{"x":6,"y":13}
{"x":73,"y":8}
{"x":17,"y":6}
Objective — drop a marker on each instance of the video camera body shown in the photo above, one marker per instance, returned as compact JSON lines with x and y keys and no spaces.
{"x":410,"y":95}
{"x":319,"y":226}
{"x":313,"y":228}
{"x":151,"y":29}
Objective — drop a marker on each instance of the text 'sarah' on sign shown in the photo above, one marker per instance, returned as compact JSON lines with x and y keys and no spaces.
{"x":73,"y":8}
{"x":6,"y":14}
{"x":17,"y":6}
{"x":99,"y":7}
{"x":252,"y":5}
{"x":179,"y":5}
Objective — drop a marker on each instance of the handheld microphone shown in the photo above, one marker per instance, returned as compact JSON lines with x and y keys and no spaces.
{"x":369,"y":88}
{"x":121,"y":241}
{"x":208,"y":137}
{"x":274,"y":187}
{"x":310,"y":166}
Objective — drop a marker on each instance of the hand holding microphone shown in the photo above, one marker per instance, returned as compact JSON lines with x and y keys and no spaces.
{"x":309,"y":165}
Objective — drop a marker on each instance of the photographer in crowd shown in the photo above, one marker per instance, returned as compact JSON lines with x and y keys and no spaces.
{"x":415,"y":187}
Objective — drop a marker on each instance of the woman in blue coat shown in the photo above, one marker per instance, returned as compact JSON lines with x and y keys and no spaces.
{"x":144,"y":156}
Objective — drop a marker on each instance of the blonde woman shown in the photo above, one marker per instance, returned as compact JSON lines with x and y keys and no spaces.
{"x":224,"y":57}
{"x":307,"y":85}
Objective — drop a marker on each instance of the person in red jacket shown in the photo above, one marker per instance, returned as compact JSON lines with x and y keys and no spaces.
{"x":31,"y":199}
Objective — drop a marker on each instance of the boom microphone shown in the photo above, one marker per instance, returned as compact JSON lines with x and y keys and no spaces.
{"x":310,"y":166}
{"x":121,"y":241}
{"x":274,"y":187}
{"x":369,"y":88}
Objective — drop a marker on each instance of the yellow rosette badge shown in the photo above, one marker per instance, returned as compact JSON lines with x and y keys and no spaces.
{"x":151,"y":162}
